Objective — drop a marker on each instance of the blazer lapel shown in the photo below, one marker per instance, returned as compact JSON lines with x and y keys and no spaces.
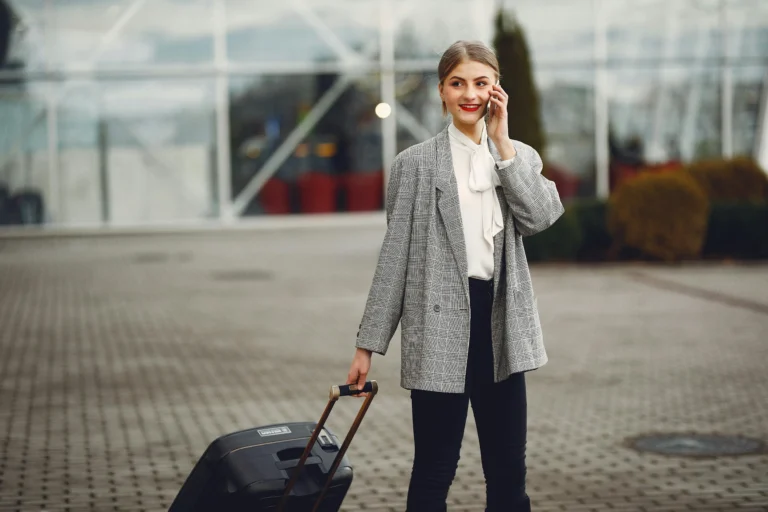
{"x":448,"y":203}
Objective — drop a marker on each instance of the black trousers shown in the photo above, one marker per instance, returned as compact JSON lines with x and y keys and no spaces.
{"x":500,"y":414}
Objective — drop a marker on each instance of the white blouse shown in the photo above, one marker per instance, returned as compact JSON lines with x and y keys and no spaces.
{"x":481,"y":216}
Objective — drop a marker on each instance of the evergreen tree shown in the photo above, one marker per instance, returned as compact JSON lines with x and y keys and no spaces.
{"x":517,"y":80}
{"x":6,"y":24}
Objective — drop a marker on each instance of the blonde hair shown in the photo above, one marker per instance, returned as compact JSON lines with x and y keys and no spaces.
{"x":462,"y":51}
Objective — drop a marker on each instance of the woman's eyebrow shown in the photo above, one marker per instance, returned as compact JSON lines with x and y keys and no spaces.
{"x":478,"y":78}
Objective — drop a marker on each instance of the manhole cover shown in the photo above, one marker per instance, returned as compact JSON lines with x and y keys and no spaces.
{"x":242,"y":275}
{"x":697,"y":445}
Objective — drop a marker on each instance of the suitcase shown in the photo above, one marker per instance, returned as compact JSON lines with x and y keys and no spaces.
{"x":287,"y":467}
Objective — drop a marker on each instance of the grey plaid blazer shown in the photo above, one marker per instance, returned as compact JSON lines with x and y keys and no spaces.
{"x":421,"y":275}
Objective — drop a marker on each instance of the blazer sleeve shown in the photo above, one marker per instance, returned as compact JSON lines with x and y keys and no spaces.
{"x":532,"y":198}
{"x":384,"y":306}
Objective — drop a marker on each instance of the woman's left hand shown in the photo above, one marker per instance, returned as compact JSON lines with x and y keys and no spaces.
{"x":498,"y":123}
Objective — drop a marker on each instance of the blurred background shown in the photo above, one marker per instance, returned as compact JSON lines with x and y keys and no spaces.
{"x":137,"y":112}
{"x":178,"y":122}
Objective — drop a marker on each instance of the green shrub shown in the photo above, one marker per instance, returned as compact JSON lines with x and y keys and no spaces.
{"x":595,"y":238}
{"x":737,"y":230}
{"x":737,"y":179}
{"x":560,"y":242}
{"x":663,"y":216}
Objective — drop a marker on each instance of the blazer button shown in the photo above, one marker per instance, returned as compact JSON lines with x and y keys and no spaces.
{"x":437,"y":308}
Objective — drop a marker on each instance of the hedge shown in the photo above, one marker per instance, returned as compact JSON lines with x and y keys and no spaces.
{"x":737,"y":230}
{"x":560,"y":242}
{"x":709,"y":209}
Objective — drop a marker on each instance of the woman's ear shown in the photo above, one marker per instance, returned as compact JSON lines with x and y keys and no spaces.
{"x":440,"y":90}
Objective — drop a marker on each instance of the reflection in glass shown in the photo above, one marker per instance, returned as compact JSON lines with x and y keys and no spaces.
{"x":558,"y":31}
{"x":567,"y":110}
{"x":647,"y":31}
{"x":25,"y":46}
{"x":663,"y":117}
{"x":80,"y":181}
{"x":424,"y":29}
{"x":748,"y":87}
{"x":25,"y":195}
{"x":136,"y":152}
{"x":419,"y":114}
{"x":135,"y":139}
{"x":120,"y":33}
{"x":319,"y":31}
{"x":337,"y":167}
{"x":747,"y":30}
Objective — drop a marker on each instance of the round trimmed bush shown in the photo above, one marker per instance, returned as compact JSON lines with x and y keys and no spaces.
{"x":663,"y":216}
{"x":736,"y":179}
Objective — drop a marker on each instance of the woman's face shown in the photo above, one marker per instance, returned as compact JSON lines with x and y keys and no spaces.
{"x":466,"y":91}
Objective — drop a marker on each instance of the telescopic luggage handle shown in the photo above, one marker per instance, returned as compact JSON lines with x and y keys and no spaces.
{"x":351,"y":389}
{"x":371,"y":387}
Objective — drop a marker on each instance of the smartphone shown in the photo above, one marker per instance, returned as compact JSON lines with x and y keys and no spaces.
{"x":489,"y":107}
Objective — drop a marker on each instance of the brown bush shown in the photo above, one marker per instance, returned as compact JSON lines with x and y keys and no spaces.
{"x":662,"y":215}
{"x":737,"y":179}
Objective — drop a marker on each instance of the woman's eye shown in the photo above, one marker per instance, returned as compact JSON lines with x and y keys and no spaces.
{"x":482,"y":84}
{"x":455,"y":84}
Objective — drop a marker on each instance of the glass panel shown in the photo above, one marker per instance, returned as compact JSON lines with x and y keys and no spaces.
{"x":419,"y":112}
{"x":354,"y":22}
{"x":137,"y":153}
{"x":119,"y":33}
{"x":558,"y":31}
{"x":747,"y":90}
{"x":567,"y":110}
{"x":27,"y":34}
{"x":25,"y":195}
{"x":337,"y":167}
{"x":424,"y":29}
{"x":80,"y":155}
{"x":300,"y":31}
{"x":644,"y":31}
{"x":663,"y":116}
{"x":747,"y":30}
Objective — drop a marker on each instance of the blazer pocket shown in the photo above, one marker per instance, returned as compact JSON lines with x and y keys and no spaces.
{"x":448,"y":303}
{"x":412,"y":336}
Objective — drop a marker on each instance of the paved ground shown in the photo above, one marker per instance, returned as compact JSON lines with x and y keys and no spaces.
{"x":122,"y":357}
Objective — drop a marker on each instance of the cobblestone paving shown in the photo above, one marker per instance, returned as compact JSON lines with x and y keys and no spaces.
{"x":122,"y":357}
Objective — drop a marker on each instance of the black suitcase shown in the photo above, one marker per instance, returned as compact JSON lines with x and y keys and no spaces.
{"x":289,"y":467}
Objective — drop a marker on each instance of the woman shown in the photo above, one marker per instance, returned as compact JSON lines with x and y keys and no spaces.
{"x":453,"y":270}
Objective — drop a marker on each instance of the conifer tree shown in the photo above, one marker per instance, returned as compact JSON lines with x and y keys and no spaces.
{"x":517,"y":80}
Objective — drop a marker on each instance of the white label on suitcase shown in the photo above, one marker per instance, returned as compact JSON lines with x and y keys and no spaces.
{"x":276,"y":431}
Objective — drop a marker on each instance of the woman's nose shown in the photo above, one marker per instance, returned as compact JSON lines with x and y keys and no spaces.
{"x":471,"y":93}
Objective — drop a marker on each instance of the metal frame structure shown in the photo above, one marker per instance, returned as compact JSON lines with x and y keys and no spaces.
{"x":602,"y":156}
{"x":761,"y":137}
{"x":223,"y":157}
{"x":350,"y":64}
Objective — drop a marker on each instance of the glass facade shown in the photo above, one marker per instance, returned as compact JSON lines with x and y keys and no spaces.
{"x":141,"y":112}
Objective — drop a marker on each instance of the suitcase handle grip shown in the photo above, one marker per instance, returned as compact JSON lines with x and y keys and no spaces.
{"x":351,"y":389}
{"x":288,"y":464}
